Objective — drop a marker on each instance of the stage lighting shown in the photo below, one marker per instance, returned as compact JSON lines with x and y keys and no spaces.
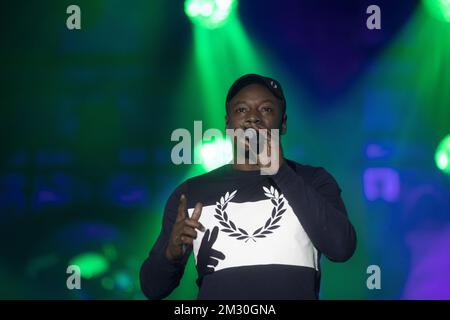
{"x":442,"y":155}
{"x":216,"y":154}
{"x":439,"y":9}
{"x":209,"y":13}
{"x":91,"y":264}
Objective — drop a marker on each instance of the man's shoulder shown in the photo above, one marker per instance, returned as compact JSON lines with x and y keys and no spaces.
{"x":315,"y":175}
{"x":306,"y":171}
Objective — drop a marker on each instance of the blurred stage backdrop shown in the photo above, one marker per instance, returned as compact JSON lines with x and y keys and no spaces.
{"x":87,"y":115}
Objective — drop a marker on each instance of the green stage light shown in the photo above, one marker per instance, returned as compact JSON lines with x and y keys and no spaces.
{"x":439,"y":9}
{"x":442,"y":155}
{"x":91,"y":264}
{"x":107,"y":283}
{"x":209,"y":13}
{"x":216,"y":154}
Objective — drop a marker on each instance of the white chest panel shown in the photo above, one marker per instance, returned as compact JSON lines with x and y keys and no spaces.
{"x":285,"y":241}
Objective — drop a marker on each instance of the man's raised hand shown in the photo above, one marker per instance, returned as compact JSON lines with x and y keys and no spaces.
{"x":183,"y":231}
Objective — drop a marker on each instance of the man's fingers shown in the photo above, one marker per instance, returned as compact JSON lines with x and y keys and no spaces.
{"x":194,"y":224}
{"x":181,"y":208}
{"x":197,"y":211}
{"x":263,"y":133}
{"x":257,"y":127}
{"x":261,"y":138}
{"x":182,"y":215}
{"x":186,"y":240}
{"x":190,"y":232}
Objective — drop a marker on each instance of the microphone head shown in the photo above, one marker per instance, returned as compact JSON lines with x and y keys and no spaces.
{"x":253,"y":136}
{"x":251,"y":133}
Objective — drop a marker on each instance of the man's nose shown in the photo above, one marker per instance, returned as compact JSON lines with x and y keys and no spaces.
{"x":252,"y":118}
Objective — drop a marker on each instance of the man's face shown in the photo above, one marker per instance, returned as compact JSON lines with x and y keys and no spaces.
{"x":255,"y":106}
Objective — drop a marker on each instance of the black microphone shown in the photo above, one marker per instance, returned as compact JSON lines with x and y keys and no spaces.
{"x":251,"y":134}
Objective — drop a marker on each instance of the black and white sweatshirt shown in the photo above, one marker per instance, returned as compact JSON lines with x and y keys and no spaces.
{"x":264,"y":234}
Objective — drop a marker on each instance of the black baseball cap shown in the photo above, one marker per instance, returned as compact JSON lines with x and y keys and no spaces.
{"x":273,"y":85}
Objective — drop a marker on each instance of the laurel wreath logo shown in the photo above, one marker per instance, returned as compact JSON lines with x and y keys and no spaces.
{"x":271,"y":224}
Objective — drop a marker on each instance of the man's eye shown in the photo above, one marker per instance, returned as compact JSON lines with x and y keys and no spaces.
{"x":240,"y":110}
{"x":267,"y":109}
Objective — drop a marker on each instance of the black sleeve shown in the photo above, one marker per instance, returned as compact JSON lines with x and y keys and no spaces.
{"x":320,"y":210}
{"x":158,"y":275}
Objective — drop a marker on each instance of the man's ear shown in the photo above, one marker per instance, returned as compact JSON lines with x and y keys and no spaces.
{"x":283,"y":124}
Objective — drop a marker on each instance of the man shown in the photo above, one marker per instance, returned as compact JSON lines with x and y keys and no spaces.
{"x":257,"y":232}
